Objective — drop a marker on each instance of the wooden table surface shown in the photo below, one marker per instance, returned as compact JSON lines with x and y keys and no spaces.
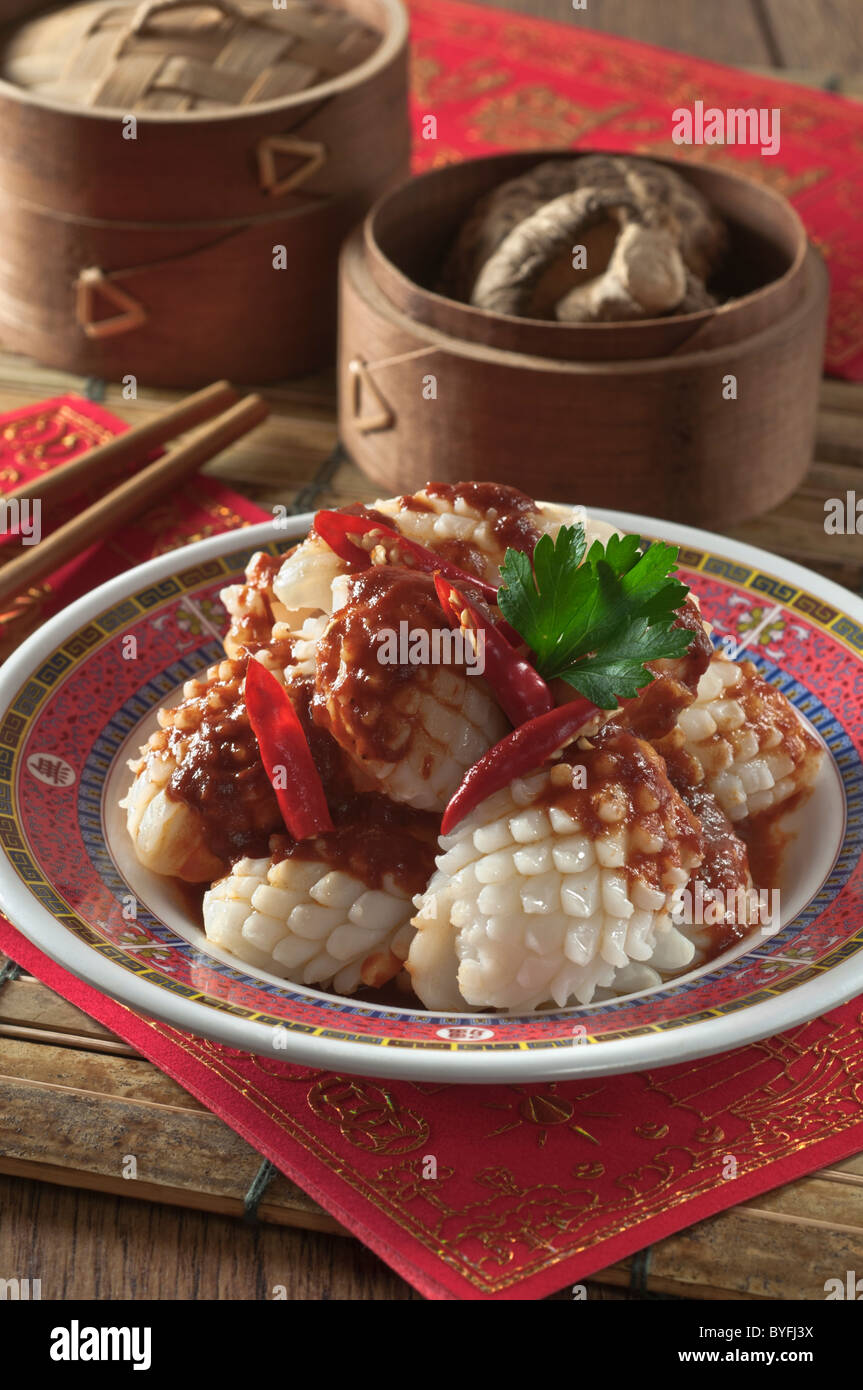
{"x":101,"y":1245}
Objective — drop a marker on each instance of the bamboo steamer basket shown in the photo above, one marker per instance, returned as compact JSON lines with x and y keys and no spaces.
{"x":256,"y":127}
{"x":629,"y":415}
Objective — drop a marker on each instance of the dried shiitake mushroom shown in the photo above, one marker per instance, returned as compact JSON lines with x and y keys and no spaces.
{"x":651,"y":243}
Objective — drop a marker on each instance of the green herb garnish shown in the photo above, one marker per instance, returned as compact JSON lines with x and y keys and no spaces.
{"x":594,"y":619}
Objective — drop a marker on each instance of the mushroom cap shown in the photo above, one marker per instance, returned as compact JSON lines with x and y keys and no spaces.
{"x":518,"y":230}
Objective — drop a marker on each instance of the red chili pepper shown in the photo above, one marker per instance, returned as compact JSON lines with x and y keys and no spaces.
{"x":520,"y":690}
{"x":514,"y":638}
{"x":521,"y":752}
{"x":337,"y":528}
{"x":286,"y":755}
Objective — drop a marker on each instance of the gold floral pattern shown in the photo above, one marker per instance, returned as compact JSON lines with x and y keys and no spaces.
{"x":497,"y":1210}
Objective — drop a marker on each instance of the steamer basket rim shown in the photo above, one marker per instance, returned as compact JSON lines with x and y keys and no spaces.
{"x":470,"y":312}
{"x":393,"y":40}
{"x":815,"y":290}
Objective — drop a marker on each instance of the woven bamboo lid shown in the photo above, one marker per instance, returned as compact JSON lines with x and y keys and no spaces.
{"x":183,"y":55}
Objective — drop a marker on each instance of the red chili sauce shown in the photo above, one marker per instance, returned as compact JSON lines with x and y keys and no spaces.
{"x":220,"y":773}
{"x":369,"y":513}
{"x":373,"y":836}
{"x":222,"y":777}
{"x":365,"y":703}
{"x":665,"y":803}
{"x":653,"y":712}
{"x":512,"y":522}
{"x":615,"y":761}
{"x":255,"y":629}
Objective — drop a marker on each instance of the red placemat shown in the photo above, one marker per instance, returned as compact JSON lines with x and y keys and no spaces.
{"x":474,"y":1192}
{"x":41,"y":436}
{"x":494,"y":80}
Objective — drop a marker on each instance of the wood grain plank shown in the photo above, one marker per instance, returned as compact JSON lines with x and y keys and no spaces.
{"x":796,"y":528}
{"x":60,"y":1080}
{"x":29,"y":1003}
{"x":817,"y":33}
{"x":782,"y":1245}
{"x":842,"y":395}
{"x":96,"y":1131}
{"x":840,"y":437}
{"x":64,"y":1070}
{"x":84,"y":1115}
{"x":835,"y":1208}
{"x":272,"y":1210}
{"x":74,"y":1111}
{"x":850,"y":1168}
{"x":733,"y":1255}
{"x":726,"y":33}
{"x":112,"y":1046}
{"x":93,"y":1245}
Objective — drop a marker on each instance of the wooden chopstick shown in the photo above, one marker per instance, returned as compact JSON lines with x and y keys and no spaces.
{"x":106,"y":460}
{"x":131,"y":497}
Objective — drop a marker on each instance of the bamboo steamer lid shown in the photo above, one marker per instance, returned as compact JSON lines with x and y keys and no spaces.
{"x":235,"y":104}
{"x":173,"y":55}
{"x":156,"y":155}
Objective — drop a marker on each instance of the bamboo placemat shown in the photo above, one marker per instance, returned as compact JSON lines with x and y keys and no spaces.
{"x":74,"y":1098}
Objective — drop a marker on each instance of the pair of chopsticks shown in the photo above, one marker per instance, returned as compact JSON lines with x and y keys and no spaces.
{"x":221,"y":417}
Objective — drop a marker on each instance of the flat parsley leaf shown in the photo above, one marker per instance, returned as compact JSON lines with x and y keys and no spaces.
{"x":594,"y":619}
{"x":617,"y":671}
{"x":541,"y":597}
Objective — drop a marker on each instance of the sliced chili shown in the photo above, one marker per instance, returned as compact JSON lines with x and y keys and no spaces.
{"x":521,"y":752}
{"x":518,"y":687}
{"x":285,"y":754}
{"x":341,"y":530}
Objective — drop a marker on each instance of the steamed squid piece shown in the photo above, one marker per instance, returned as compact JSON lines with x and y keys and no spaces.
{"x":410,"y":730}
{"x":551,"y":890}
{"x":675,"y":682}
{"x":472,"y":524}
{"x":304,"y":583}
{"x":744,"y":742}
{"x":455,"y":522}
{"x":304,"y":921}
{"x":253,"y":607}
{"x":335,"y":911}
{"x":560,"y":888}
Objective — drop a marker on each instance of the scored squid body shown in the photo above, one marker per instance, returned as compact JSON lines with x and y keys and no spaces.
{"x":305,"y":921}
{"x":547,"y":894}
{"x":440,"y":521}
{"x":744,"y":741}
{"x":410,"y":731}
{"x":167,"y":834}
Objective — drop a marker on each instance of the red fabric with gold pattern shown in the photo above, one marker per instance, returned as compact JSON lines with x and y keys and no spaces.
{"x":37,"y":438}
